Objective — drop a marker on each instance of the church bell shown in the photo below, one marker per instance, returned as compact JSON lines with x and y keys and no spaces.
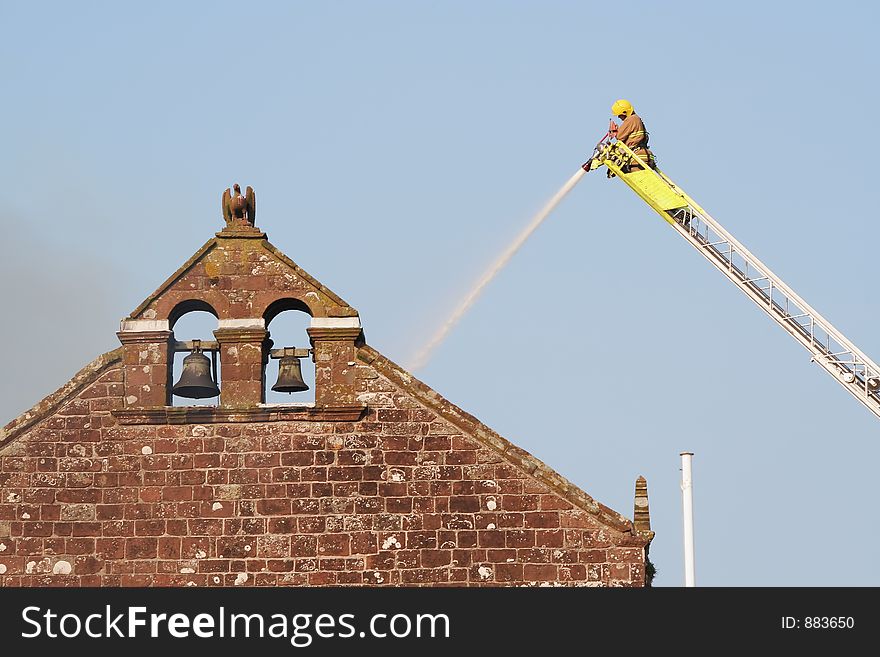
{"x":195,"y":379}
{"x":289,"y":375}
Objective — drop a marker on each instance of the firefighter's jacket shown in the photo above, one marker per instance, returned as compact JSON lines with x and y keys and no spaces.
{"x":632,"y":132}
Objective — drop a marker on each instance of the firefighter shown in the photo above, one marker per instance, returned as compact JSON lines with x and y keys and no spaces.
{"x":633,"y":133}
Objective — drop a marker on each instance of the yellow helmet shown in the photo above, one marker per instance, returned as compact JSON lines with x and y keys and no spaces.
{"x":622,"y":107}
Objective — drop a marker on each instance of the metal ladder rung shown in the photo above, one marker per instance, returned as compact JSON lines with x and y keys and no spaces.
{"x":840,"y":353}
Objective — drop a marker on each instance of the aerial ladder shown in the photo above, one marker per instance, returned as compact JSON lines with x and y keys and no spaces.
{"x":828,"y":347}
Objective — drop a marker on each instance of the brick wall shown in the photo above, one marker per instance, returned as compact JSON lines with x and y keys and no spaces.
{"x":380,"y":482}
{"x":413,"y":493}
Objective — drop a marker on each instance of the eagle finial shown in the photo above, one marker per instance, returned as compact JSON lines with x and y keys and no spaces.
{"x":239,"y":208}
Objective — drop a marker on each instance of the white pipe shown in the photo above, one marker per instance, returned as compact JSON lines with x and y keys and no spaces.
{"x":687,"y":499}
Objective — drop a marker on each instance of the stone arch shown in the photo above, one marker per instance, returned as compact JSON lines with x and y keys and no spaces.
{"x":188,"y":306}
{"x":290,"y":329}
{"x":278,"y":306}
{"x":189,"y":319}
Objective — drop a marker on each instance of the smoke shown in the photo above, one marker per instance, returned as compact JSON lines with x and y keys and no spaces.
{"x":61,"y":308}
{"x":424,"y":355}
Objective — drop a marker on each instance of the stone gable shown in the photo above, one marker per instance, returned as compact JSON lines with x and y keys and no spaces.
{"x":380,"y":482}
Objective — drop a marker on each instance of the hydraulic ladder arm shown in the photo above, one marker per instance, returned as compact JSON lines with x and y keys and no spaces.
{"x":829,"y":347}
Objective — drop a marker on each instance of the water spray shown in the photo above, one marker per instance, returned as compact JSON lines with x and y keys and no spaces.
{"x":424,"y":355}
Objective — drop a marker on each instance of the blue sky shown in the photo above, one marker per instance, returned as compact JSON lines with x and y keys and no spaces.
{"x":397,"y":147}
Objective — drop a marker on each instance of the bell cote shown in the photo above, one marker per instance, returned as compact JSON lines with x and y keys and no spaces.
{"x":245,"y":283}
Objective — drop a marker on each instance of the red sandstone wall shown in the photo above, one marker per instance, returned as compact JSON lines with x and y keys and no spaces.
{"x":400,"y":497}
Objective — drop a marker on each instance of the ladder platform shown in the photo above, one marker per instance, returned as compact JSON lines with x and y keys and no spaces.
{"x":649,"y":184}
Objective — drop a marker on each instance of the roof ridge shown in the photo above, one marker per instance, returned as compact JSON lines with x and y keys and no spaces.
{"x":490,"y":438}
{"x":50,"y":403}
{"x":283,"y":257}
{"x":168,"y":282}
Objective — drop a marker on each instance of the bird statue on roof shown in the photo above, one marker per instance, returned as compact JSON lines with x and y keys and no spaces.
{"x":239,"y":208}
